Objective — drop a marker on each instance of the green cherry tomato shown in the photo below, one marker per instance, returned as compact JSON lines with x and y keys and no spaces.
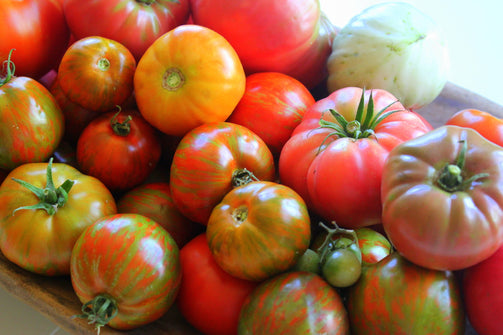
{"x":341,"y":268}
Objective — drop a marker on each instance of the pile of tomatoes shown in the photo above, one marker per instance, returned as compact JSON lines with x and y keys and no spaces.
{"x":186,"y":154}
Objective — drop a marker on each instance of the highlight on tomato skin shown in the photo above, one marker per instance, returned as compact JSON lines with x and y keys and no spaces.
{"x":487,"y":124}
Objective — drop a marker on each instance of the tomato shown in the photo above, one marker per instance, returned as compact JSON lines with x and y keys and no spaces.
{"x":341,"y":268}
{"x":134,"y":23}
{"x":488,"y":125}
{"x":40,"y":44}
{"x":395,"y":296}
{"x":125,"y":269}
{"x":93,"y":60}
{"x":443,"y":200}
{"x":212,"y":159}
{"x":272,"y":106}
{"x":119,"y":148}
{"x":210,"y":299}
{"x":259,"y":230}
{"x":374,"y":246}
{"x":39,"y":224}
{"x":31,"y":121}
{"x":286,"y":36}
{"x":482,"y":294}
{"x":334,"y":157}
{"x":189,"y":76}
{"x":294,"y":303}
{"x":154,"y":200}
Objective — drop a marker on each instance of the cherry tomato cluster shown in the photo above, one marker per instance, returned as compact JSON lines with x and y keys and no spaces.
{"x":161,"y":156}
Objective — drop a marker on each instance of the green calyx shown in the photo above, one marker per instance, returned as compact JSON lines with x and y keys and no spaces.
{"x":50,"y":197}
{"x":242,"y":177}
{"x":99,"y":311}
{"x":366,"y":120}
{"x":346,"y":238}
{"x":121,"y":128}
{"x":10,"y":69}
{"x":451,"y":178}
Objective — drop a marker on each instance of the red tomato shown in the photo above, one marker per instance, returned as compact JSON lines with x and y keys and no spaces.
{"x":335,"y":163}
{"x":284,"y":36}
{"x":153,"y":200}
{"x":97,"y":73}
{"x":209,"y":298}
{"x":488,"y":125}
{"x":119,"y":148}
{"x":125,"y":269}
{"x":272,"y":106}
{"x":38,"y":32}
{"x":483,"y":295}
{"x":212,"y":159}
{"x":135,"y":24}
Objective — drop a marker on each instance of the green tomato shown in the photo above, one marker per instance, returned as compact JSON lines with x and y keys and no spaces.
{"x":341,"y":268}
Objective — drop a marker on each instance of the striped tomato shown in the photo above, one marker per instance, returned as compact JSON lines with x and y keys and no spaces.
{"x":294,"y":303}
{"x":125,"y":269}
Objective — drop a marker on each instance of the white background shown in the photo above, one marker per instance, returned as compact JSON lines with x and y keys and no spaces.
{"x":473,"y":30}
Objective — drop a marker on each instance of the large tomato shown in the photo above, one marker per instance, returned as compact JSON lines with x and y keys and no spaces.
{"x":294,"y":303}
{"x":288,"y":36}
{"x":31,"y":121}
{"x":212,"y":159}
{"x":134,"y":23}
{"x":209,"y":298}
{"x":125,"y":269}
{"x":487,"y":124}
{"x":39,"y":224}
{"x":189,"y":76}
{"x":37,"y":30}
{"x":272,"y":106}
{"x":259,"y":230}
{"x":395,"y":296}
{"x":119,"y":148}
{"x":443,"y":198}
{"x":335,"y":156}
{"x":483,"y":295}
{"x":97,"y":73}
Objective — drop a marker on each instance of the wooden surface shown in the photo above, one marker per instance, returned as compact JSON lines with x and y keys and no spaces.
{"x":54,"y":297}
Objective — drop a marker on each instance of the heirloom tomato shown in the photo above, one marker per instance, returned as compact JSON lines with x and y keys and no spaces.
{"x":154,"y":201}
{"x":259,"y":230}
{"x":287,"y":36}
{"x":395,"y":296}
{"x":97,"y":73}
{"x":272,"y":106}
{"x":37,"y":30}
{"x":488,"y":125}
{"x":134,"y":23}
{"x":31,"y":121}
{"x":44,"y":207}
{"x":443,"y":198}
{"x":212,"y":159}
{"x":483,"y":295}
{"x":189,"y":76}
{"x":125,"y":269}
{"x":119,"y":148}
{"x":293,"y":303}
{"x":374,"y":246}
{"x":335,"y":156}
{"x":210,"y":299}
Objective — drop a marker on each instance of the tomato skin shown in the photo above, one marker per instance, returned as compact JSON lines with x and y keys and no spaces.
{"x":198,"y":79}
{"x":340,"y":177}
{"x":135,"y":24}
{"x":435,"y":227}
{"x":272,"y":106}
{"x":374,"y":246}
{"x":209,"y":298}
{"x":395,"y":296}
{"x":154,"y":200}
{"x":120,"y":161}
{"x":488,"y":125}
{"x":294,"y":303}
{"x":205,"y":162}
{"x":38,"y":45}
{"x":259,"y":230}
{"x":31,"y":122}
{"x":482,"y":294}
{"x":92,"y":60}
{"x":39,"y":242}
{"x":131,"y":259}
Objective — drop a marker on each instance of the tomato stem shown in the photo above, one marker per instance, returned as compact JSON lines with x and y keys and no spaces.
{"x":103,"y":64}
{"x":329,"y":244}
{"x":242,"y":177}
{"x":10,"y":68}
{"x":121,"y":128}
{"x":173,"y":79}
{"x":99,"y":311}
